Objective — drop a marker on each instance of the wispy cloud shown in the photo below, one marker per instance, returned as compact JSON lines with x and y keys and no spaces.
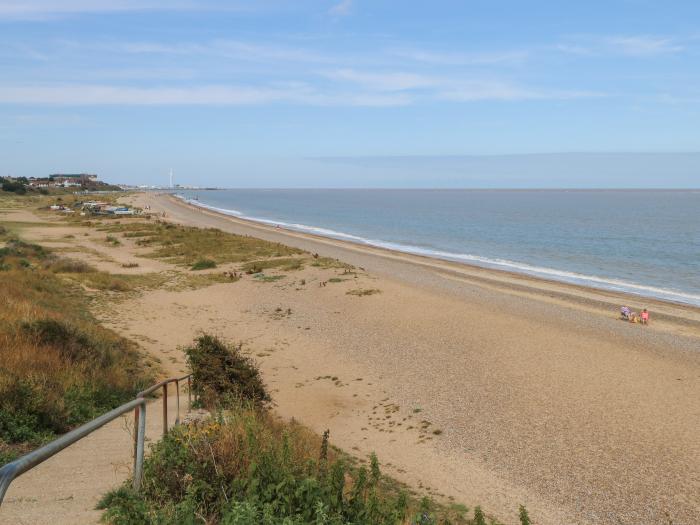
{"x":451,"y":88}
{"x":210,"y":95}
{"x":232,"y":49}
{"x":38,"y":9}
{"x":456,"y":59}
{"x":644,"y":45}
{"x":342,"y":8}
{"x":377,"y":92}
{"x":482,"y":91}
{"x":389,"y":81}
{"x":626,"y":45}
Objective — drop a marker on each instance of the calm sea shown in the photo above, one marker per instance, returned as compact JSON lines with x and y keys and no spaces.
{"x":643,"y":242}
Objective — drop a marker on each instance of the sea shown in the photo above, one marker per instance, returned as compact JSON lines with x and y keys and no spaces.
{"x":644,"y":242}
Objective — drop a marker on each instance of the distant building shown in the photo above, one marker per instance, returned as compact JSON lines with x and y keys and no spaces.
{"x":72,"y":179}
{"x":43,"y":182}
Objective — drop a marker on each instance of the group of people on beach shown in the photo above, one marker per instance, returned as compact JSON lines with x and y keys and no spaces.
{"x":633,"y":317}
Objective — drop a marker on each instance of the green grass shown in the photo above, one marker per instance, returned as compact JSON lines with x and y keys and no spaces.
{"x":203,"y":264}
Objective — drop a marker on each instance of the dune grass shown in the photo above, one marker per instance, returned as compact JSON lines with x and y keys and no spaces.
{"x":362,"y":292}
{"x":58,"y":366}
{"x":203,"y":264}
{"x":283,"y":263}
{"x":184,"y":245}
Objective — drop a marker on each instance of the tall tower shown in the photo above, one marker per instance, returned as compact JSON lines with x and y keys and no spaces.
{"x":171,"y":177}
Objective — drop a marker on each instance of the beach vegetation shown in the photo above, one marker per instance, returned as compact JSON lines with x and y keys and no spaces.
{"x":185,"y":245}
{"x":245,"y":465}
{"x":203,"y":264}
{"x":58,"y":366}
{"x":330,"y":263}
{"x":361,"y":292}
{"x":17,"y":186}
{"x":63,"y":265}
{"x":524,"y":516}
{"x":221,"y":373}
{"x":479,"y":517}
{"x":284,"y":263}
{"x":268,"y":278}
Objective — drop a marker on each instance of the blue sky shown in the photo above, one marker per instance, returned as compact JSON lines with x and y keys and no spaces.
{"x":322,"y":93}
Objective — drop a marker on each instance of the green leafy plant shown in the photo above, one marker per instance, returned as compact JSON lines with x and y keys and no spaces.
{"x":222,"y":374}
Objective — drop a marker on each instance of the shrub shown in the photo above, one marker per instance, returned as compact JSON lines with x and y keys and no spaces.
{"x":524,"y":516}
{"x":71,"y":266}
{"x":14,"y":187}
{"x":251,"y":468}
{"x":361,"y":292}
{"x":221,"y":373}
{"x":17,"y":249}
{"x":203,"y":264}
{"x":479,"y":518}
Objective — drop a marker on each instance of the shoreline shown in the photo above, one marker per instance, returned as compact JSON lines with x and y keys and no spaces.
{"x":543,"y":273}
{"x":666,"y":311}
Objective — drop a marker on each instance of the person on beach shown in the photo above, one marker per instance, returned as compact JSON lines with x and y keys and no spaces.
{"x":625,"y":313}
{"x":645,"y":316}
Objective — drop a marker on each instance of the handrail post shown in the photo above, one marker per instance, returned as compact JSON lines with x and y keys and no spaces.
{"x":189,"y":391}
{"x":177,"y":402}
{"x":136,"y":434}
{"x":140,"y":443}
{"x":165,"y":408}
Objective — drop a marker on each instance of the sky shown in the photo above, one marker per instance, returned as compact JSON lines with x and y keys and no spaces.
{"x":353,"y":93}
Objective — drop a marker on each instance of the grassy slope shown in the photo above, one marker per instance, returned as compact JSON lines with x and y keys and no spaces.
{"x":58,"y":367}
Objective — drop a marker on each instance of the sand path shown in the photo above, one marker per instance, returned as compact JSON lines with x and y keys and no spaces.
{"x":65,"y":489}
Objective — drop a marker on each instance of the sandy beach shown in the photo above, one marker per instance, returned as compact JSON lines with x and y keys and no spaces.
{"x":490,"y":388}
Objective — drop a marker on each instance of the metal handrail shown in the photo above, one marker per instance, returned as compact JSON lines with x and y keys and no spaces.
{"x":14,"y":469}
